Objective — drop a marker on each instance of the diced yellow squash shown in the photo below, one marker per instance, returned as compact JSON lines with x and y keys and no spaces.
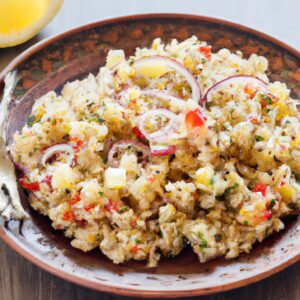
{"x":286,"y":191}
{"x":152,"y":70}
{"x":63,"y":177}
{"x":115,"y":178}
{"x":203,"y":178}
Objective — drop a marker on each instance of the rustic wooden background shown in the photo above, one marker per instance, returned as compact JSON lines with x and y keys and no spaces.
{"x":19,"y":279}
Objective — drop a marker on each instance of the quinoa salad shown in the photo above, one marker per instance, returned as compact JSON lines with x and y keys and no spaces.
{"x":174,"y":147}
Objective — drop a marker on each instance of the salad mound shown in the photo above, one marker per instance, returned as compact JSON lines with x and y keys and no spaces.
{"x":173,"y":147}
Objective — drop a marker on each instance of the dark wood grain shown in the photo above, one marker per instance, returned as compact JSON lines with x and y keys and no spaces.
{"x":20,"y":280}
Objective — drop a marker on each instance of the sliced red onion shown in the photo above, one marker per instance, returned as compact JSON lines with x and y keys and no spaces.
{"x":164,"y":96}
{"x":123,"y":145}
{"x":246,"y":79}
{"x":159,"y":150}
{"x":58,"y":149}
{"x":176,"y":66}
{"x":161,"y":133}
{"x":122,"y":98}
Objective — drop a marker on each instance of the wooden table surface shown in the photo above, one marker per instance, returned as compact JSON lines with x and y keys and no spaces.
{"x":19,"y":279}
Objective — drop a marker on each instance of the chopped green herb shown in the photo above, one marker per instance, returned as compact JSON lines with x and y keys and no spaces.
{"x":90,"y":104}
{"x":267,"y":99}
{"x":100,"y":193}
{"x":203,"y":61}
{"x":297,"y":175}
{"x":95,"y":119}
{"x":246,"y":223}
{"x":212,"y":180}
{"x":31,"y":120}
{"x":258,"y":138}
{"x":231,"y":111}
{"x":100,"y":120}
{"x":172,"y":254}
{"x":287,"y":122}
{"x":230,"y":189}
{"x":138,"y":241}
{"x":272,"y":203}
{"x":123,"y":208}
{"x":203,"y":243}
{"x":209,"y":104}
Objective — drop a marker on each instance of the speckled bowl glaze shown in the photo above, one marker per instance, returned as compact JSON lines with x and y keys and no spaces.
{"x":48,"y":65}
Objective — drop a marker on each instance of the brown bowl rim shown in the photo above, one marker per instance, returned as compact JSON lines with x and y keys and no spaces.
{"x":132,"y":291}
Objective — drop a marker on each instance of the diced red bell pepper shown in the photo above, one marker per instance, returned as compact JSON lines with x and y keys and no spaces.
{"x":76,"y":144}
{"x":88,"y":207}
{"x":76,"y":198}
{"x":134,"y":249}
{"x":206,"y":50}
{"x":250,"y":90}
{"x":194,"y":119}
{"x":136,"y":131}
{"x":31,"y":186}
{"x":68,"y":216}
{"x":268,"y":215}
{"x":254,"y":120}
{"x":111,"y":206}
{"x":151,"y":179}
{"x":260,"y":188}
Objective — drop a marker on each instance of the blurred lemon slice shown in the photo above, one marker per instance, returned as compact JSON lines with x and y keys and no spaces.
{"x":20,"y":20}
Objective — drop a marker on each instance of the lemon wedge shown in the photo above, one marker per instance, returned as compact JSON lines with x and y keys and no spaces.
{"x":22,"y":19}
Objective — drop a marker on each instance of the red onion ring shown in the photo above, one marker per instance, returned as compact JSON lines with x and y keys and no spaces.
{"x":120,"y":98}
{"x":164,"y":96}
{"x":49,"y":152}
{"x":176,"y":66}
{"x":163,"y":151}
{"x":152,"y":93}
{"x":232,"y":79}
{"x":157,"y":135}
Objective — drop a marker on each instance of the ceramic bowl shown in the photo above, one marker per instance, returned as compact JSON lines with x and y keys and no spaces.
{"x":75,"y":53}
